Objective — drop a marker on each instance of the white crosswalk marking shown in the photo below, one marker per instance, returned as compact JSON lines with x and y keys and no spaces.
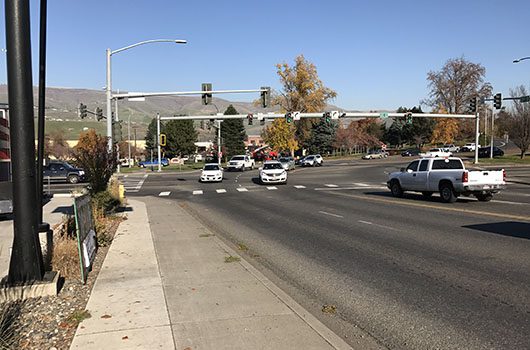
{"x":272,"y":187}
{"x":299,"y":186}
{"x":330,"y":185}
{"x":197,"y":192}
{"x":164,"y":194}
{"x":242,"y":189}
{"x":221,"y":190}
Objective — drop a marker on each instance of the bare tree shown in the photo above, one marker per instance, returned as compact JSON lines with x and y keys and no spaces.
{"x":516,"y":122}
{"x":455,"y":84}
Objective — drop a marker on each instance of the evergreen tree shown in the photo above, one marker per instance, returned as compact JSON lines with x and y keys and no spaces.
{"x":150,"y":137}
{"x":322,"y":137}
{"x":233,"y":134}
{"x":181,"y":137}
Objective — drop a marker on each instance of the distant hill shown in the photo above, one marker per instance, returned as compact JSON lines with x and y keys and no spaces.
{"x":62,"y":104}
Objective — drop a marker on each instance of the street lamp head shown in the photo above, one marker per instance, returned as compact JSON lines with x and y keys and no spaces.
{"x":178,"y":41}
{"x":516,"y":61}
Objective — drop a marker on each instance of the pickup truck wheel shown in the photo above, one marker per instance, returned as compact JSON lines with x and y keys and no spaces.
{"x":447,"y":193}
{"x":484,"y":197}
{"x":73,"y":179}
{"x":396,"y":189}
{"x":426,"y":194}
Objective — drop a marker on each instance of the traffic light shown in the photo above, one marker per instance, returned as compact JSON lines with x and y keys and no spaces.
{"x":206,"y":98}
{"x":408,"y":118}
{"x":163,"y":139}
{"x":99,"y":113}
{"x":497,"y":101}
{"x":82,"y":111}
{"x":288,"y":118}
{"x":265,"y":96}
{"x":250,"y":117}
{"x":116,"y":131}
{"x":327,"y":117}
{"x":473,"y":105}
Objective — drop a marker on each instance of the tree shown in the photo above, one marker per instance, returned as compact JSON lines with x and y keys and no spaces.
{"x":180,"y":137}
{"x":418,"y":133}
{"x":344,"y":138}
{"x":322,"y":137}
{"x":516,"y":122}
{"x":92,"y":156}
{"x":279,"y":135}
{"x":150,"y":137}
{"x":304,"y":92}
{"x":233,"y":134}
{"x":445,"y":129}
{"x":454,"y":86}
{"x":55,"y":144}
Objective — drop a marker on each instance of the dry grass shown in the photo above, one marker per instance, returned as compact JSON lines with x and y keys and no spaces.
{"x":9,"y":336}
{"x":65,"y":257}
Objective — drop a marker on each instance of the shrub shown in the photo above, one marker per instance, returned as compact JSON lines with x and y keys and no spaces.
{"x":66,"y":257}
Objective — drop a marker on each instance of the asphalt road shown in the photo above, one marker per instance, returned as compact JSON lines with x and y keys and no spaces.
{"x":402,"y":273}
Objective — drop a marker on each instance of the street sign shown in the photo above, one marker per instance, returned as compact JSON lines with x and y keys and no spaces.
{"x":334,"y":115}
{"x":383,"y":115}
{"x":296,"y":115}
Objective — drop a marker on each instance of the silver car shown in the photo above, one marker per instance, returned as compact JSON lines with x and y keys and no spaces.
{"x":287,"y":163}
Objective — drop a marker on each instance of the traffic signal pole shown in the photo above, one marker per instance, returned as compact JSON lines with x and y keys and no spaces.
{"x":26,"y":257}
{"x":158,"y":141}
{"x":477,"y":135}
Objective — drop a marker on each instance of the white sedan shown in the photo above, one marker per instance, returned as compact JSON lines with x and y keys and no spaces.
{"x":211,"y":172}
{"x":272,"y":172}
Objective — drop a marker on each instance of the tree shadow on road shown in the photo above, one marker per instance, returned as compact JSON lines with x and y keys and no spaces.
{"x":507,"y":228}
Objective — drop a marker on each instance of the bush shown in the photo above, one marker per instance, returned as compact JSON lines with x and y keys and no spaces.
{"x":65,"y":257}
{"x":104,"y":203}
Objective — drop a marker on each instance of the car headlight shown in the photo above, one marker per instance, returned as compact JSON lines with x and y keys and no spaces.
{"x":81,"y":172}
{"x":284,"y":173}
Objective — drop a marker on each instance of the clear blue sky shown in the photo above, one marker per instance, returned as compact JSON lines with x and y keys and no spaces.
{"x":374,"y":54}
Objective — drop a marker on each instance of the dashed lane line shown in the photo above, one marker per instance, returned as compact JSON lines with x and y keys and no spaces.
{"x":330,"y":214}
{"x":221,"y":190}
{"x":299,"y":186}
{"x":197,"y":192}
{"x":331,"y":185}
{"x":242,"y":189}
{"x":272,"y":187}
{"x":164,"y":194}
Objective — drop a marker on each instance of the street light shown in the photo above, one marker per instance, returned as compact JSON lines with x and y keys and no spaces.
{"x":521,"y":59}
{"x":109,"y":86}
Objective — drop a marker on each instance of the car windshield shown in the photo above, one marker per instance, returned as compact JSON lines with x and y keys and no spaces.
{"x":238,"y":158}
{"x":283,"y":160}
{"x":211,"y":167}
{"x":309,"y":158}
{"x":271,"y":166}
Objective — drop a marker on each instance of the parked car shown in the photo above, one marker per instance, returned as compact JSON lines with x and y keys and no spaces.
{"x":211,"y":172}
{"x":451,"y":148}
{"x":272,"y":172}
{"x":436,"y":152}
{"x":287,"y":163}
{"x":154,"y":162}
{"x":241,"y":163}
{"x":62,"y":171}
{"x":312,"y":160}
{"x":468,"y":147}
{"x":410,"y":153}
{"x":484,"y":152}
{"x":375,"y":154}
{"x":447,"y":176}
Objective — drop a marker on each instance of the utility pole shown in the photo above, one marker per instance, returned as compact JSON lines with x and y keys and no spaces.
{"x":492,"y":131}
{"x":26,"y":257}
{"x":129,"y":140}
{"x":219,"y":141}
{"x":117,"y":143}
{"x":477,"y":135}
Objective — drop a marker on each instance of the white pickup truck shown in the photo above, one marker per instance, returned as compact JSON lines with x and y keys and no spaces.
{"x":447,"y":176}
{"x":241,"y":163}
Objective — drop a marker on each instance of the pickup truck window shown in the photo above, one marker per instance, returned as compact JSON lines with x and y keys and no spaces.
{"x":424,"y":165}
{"x":414,"y":165}
{"x":443,"y":164}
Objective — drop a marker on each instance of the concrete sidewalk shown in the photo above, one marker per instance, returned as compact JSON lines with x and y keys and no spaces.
{"x":185,"y":296}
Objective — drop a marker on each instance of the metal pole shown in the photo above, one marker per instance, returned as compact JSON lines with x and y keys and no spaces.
{"x":492,"y":131}
{"x":129,"y":140}
{"x":158,"y":140}
{"x":219,"y":141}
{"x":109,"y":101}
{"x":117,"y":143}
{"x":42,"y":104}
{"x":26,"y":256}
{"x":477,"y":135}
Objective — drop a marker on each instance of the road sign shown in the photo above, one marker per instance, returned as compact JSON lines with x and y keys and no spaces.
{"x":296,"y":115}
{"x":383,"y":115}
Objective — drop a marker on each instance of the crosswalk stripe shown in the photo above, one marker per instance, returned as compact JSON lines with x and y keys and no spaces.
{"x":272,"y":187}
{"x":299,"y":186}
{"x":242,"y":189}
{"x":221,"y":190}
{"x":197,"y":192}
{"x":330,"y":185}
{"x":164,"y":194}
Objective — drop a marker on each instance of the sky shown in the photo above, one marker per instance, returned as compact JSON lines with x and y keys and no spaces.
{"x":374,"y":54}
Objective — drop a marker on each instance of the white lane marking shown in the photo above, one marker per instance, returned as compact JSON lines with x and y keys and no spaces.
{"x":221,"y":190}
{"x":127,"y":190}
{"x":139,"y":186}
{"x":382,"y":226}
{"x":361,"y":184}
{"x":508,"y":202}
{"x":242,"y":189}
{"x":272,"y":187}
{"x":330,"y":214}
{"x":349,"y":188}
{"x":197,"y":192}
{"x":330,"y":185}
{"x":299,"y":186}
{"x":164,"y":194}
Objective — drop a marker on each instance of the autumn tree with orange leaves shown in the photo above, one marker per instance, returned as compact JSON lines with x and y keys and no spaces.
{"x":445,"y":130}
